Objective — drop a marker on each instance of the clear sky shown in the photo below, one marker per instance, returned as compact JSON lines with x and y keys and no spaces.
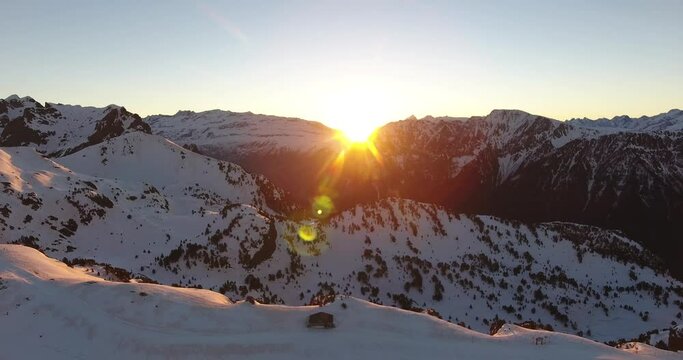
{"x":337,"y":61}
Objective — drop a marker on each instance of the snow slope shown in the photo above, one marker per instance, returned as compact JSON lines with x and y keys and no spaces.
{"x":136,"y":187}
{"x":470,"y":269}
{"x":49,"y":310}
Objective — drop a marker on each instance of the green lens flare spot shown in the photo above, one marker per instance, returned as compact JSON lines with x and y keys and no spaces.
{"x":322,"y":205}
{"x":307,"y":233}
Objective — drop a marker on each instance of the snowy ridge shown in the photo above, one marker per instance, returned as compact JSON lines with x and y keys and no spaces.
{"x":57,"y":129}
{"x":14,"y":106}
{"x":242,"y":132}
{"x":142,"y":158}
{"x":669,"y":121}
{"x":41,"y":296}
{"x":515,"y":136}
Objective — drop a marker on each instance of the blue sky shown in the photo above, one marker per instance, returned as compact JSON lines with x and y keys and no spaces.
{"x":337,"y":61}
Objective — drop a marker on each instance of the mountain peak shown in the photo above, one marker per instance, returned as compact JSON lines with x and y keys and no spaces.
{"x":15,"y":97}
{"x":509,"y":118}
{"x":506,"y":112}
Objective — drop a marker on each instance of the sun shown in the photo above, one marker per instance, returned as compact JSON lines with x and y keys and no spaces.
{"x":357,"y":133}
{"x":357,"y":114}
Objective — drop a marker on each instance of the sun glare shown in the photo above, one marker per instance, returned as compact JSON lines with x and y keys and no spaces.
{"x":357,"y":114}
{"x":357,"y":134}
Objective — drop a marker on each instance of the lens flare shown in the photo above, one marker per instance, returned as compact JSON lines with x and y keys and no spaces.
{"x":323,"y":205}
{"x":307,"y":233}
{"x":358,"y":158}
{"x":307,"y":239}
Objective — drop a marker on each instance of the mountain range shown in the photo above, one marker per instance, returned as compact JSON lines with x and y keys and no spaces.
{"x":506,"y":218}
{"x":623,"y":174}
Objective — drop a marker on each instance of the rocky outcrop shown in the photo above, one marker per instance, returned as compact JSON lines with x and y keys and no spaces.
{"x":18,"y":133}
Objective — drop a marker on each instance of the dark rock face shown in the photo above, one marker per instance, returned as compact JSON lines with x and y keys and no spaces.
{"x":621,"y":181}
{"x":17,"y":133}
{"x":111,"y":126}
{"x":269,"y":243}
{"x":676,"y":339}
{"x":631,"y":182}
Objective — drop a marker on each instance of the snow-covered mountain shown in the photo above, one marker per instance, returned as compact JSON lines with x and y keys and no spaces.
{"x":243,"y":133}
{"x":276,"y":147}
{"x":624,"y":173}
{"x":470,"y":269}
{"x":132,"y":205}
{"x":57,"y":129}
{"x":527,"y":167}
{"x":54,"y":308}
{"x":139,"y":206}
{"x":136,"y":185}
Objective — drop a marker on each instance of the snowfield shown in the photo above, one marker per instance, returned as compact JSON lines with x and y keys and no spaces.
{"x":50,"y":310}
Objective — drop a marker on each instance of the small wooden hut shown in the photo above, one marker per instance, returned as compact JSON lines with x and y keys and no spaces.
{"x":321,"y":320}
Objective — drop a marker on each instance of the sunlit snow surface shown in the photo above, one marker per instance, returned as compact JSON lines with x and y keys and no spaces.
{"x":49,"y":310}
